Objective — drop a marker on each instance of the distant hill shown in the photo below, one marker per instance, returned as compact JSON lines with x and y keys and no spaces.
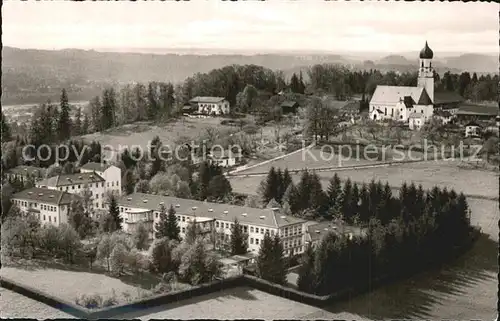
{"x":28,"y":75}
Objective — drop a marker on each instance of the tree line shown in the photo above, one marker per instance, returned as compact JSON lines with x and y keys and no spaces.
{"x":427,"y":231}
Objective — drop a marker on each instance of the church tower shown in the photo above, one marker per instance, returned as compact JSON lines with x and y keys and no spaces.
{"x":426,"y":72}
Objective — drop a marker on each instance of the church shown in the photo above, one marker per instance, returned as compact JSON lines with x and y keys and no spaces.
{"x":403,"y":103}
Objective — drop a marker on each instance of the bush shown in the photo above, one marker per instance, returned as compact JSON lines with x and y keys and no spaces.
{"x":96,"y":301}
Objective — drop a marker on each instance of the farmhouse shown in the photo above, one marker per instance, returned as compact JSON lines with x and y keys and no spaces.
{"x":448,"y":101}
{"x":416,"y":121}
{"x":224,"y":158}
{"x":289,"y":107}
{"x":49,"y":206}
{"x":215,"y":219}
{"x":472,"y":129}
{"x":210,"y":105}
{"x":26,"y":173}
{"x":444,"y":116}
{"x":477,"y":112}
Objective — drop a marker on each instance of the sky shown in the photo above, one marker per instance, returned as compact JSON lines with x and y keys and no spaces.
{"x":274,"y":25}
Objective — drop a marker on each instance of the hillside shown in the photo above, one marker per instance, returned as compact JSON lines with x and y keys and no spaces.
{"x":30,"y":75}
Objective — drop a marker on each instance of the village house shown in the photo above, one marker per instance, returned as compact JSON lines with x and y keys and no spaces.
{"x":444,"y":116}
{"x":48,"y":205}
{"x":416,"y":121}
{"x":477,"y":112}
{"x":289,"y":107}
{"x":225,"y":158}
{"x":215,"y":219}
{"x":26,"y":173}
{"x":210,"y":106}
{"x":472,"y":129}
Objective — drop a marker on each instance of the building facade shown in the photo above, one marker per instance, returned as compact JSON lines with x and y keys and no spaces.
{"x":79,"y":184}
{"x":211,"y":105}
{"x":26,"y":173}
{"x":48,"y":205}
{"x":112,"y":175}
{"x":215,"y":219}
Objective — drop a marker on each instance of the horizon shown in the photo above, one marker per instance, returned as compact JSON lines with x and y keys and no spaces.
{"x":350,"y":28}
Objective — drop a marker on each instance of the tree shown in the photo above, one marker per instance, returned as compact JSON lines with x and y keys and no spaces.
{"x":64,"y":122}
{"x":77,"y":125}
{"x":265,"y":259}
{"x":114,"y":214}
{"x":197,"y":266}
{"x":142,"y":186}
{"x":279,"y":268}
{"x":246,"y":99}
{"x":161,"y":255}
{"x":219,"y":187}
{"x":334,"y":193}
{"x":69,"y":242}
{"x":6,"y":133}
{"x":168,"y":225}
{"x":192,"y":232}
{"x":141,"y":237}
{"x":305,"y":278}
{"x":238,"y":239}
{"x":104,"y":248}
{"x":118,"y":258}
{"x":128,"y":182}
{"x":79,"y":219}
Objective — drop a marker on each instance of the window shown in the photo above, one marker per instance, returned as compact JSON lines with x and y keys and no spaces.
{"x":251,"y":240}
{"x":156,"y":214}
{"x":66,"y":188}
{"x":102,"y":195}
{"x":73,"y":187}
{"x":44,"y":217}
{"x":96,"y":205}
{"x":267,"y":231}
{"x":257,"y":241}
{"x":102,"y":184}
{"x":272,"y":232}
{"x":183,"y":230}
{"x":113,"y":184}
{"x":54,"y":219}
{"x":385,"y":111}
{"x":79,"y":186}
{"x":392,"y":111}
{"x":217,"y":224}
{"x":245,"y":229}
{"x":183,"y":218}
{"x":251,"y":229}
{"x":50,"y":219}
{"x":261,"y":230}
{"x":227,"y":225}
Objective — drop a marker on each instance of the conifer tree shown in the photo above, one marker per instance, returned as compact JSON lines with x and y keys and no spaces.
{"x":64,"y":122}
{"x":6,"y":133}
{"x":305,"y":278}
{"x":334,"y":193}
{"x":114,"y":213}
{"x":265,"y":259}
{"x":238,"y":239}
{"x":279,"y":268}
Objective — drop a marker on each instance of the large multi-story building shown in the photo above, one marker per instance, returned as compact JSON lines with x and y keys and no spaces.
{"x":216,"y":219}
{"x":50,"y":206}
{"x":98,"y":179}
{"x":111,"y":174}
{"x":77,"y":184}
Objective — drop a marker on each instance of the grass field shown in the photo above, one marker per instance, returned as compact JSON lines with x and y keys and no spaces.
{"x":431,"y":173}
{"x":70,"y":284}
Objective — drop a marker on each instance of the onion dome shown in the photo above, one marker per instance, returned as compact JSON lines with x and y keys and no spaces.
{"x":426,"y":53}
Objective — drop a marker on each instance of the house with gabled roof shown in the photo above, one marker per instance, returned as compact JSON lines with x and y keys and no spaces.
{"x":48,"y":205}
{"x":211,"y":106}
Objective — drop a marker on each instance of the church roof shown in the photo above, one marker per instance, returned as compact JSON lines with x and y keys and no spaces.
{"x":395,"y":94}
{"x":447,"y":97}
{"x":426,"y":52}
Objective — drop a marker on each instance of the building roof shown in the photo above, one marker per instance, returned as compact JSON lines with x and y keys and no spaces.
{"x":210,"y":100}
{"x":223,"y":154}
{"x":472,"y":123}
{"x":416,"y":115}
{"x":319,"y":230}
{"x":45,"y":195}
{"x":28,"y":170}
{"x":442,"y":113}
{"x":447,"y":97}
{"x":426,"y":52}
{"x":224,"y":212}
{"x":395,"y":94}
{"x":289,"y":103}
{"x":71,"y":179}
{"x":93,"y":166}
{"x":478,"y":110}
